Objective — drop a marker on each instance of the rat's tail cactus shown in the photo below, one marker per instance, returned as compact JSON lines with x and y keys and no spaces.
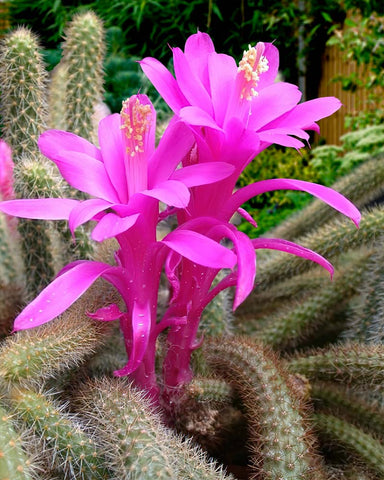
{"x":63,"y":414}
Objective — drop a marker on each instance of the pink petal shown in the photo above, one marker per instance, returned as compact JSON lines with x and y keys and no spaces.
{"x":136,"y":334}
{"x":86,"y":174}
{"x":203,"y":173}
{"x":85,"y":210}
{"x":271,"y":103}
{"x":328,"y":195}
{"x":164,"y":83}
{"x":170,"y":192}
{"x":200,"y":249}
{"x":197,"y":49}
{"x":246,"y":261}
{"x":40,"y":208}
{"x":112,"y":148}
{"x":189,"y":83}
{"x":294,"y":249}
{"x":106,"y":314}
{"x":305,"y":114}
{"x":111,"y":225}
{"x":222,"y":75}
{"x":268,"y":77}
{"x":197,"y":116}
{"x":52,"y":142}
{"x":271,"y":136}
{"x":174,"y":145}
{"x":61,"y":293}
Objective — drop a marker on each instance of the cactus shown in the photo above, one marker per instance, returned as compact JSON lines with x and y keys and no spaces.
{"x":83,"y":54}
{"x":67,"y":446}
{"x":330,"y":397}
{"x":56,"y":423}
{"x":366,"y":322}
{"x":289,"y":328}
{"x":139,"y":446}
{"x":330,"y":241}
{"x":14,"y":462}
{"x":349,"y":363}
{"x":23,"y":92}
{"x":353,"y":439}
{"x":279,"y":435}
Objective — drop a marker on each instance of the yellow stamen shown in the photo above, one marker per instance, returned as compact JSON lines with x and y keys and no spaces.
{"x":137,"y":119}
{"x":251,"y":66}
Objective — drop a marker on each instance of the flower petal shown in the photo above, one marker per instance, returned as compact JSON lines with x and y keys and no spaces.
{"x":170,"y":192}
{"x":85,"y":210}
{"x":136,"y":335}
{"x":112,"y":148}
{"x":272,"y":102}
{"x":164,"y":82}
{"x":197,"y":49}
{"x":222,"y":75}
{"x":111,"y":225}
{"x":86,"y":174}
{"x":246,"y":260}
{"x":106,"y":314}
{"x":189,"y":83}
{"x":40,"y":208}
{"x":174,"y":145}
{"x":294,"y":249}
{"x":61,"y":293}
{"x":328,"y":195}
{"x":203,"y":173}
{"x":194,"y":115}
{"x":200,"y":249}
{"x":52,"y":142}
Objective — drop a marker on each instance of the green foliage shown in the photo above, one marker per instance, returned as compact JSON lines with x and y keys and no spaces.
{"x":361,"y":42}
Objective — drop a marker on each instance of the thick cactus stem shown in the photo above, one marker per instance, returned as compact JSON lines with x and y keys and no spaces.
{"x":138,"y":445}
{"x":330,"y":241}
{"x":23,"y":92}
{"x":281,"y":443}
{"x":14,"y":463}
{"x":83,"y":53}
{"x":66,"y":444}
{"x":370,"y":450}
{"x":348,"y":363}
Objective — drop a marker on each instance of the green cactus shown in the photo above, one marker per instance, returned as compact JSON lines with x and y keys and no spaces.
{"x":14,"y":462}
{"x":334,"y":398}
{"x":348,"y":363}
{"x":288,"y":329}
{"x":366,"y":323}
{"x":280,"y":439}
{"x":66,"y":445}
{"x":330,"y":241}
{"x":23,"y":92}
{"x":83,"y":54}
{"x":46,"y":351}
{"x":361,"y":444}
{"x":137,"y":443}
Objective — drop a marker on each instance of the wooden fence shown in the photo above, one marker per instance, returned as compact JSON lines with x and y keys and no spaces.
{"x":333,"y":64}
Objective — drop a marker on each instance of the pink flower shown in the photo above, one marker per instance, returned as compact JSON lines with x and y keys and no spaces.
{"x":235,"y":112}
{"x":128,"y":177}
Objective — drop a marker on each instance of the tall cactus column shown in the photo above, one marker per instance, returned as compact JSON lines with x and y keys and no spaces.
{"x":24,"y":113}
